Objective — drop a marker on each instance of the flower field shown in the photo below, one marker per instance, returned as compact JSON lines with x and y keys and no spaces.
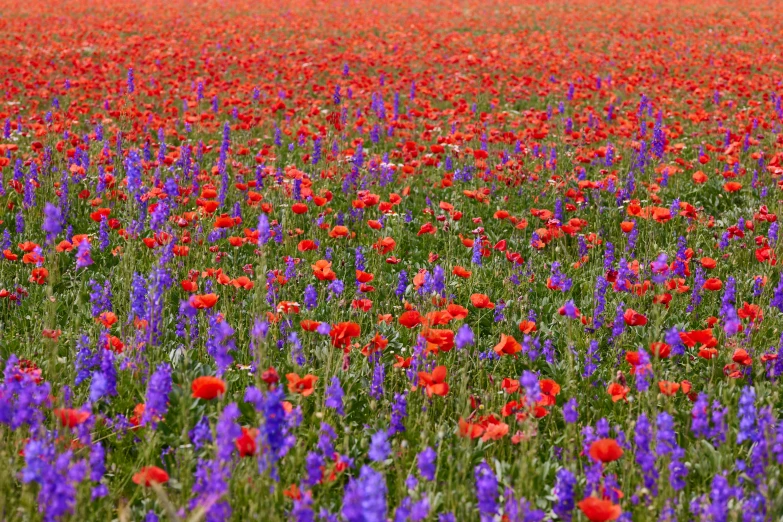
{"x":391,"y":261}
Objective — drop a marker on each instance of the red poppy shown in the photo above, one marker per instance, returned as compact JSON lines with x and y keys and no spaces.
{"x":708,"y":263}
{"x":668,"y":387}
{"x":634,"y":318}
{"x":597,"y":510}
{"x":618,"y":391}
{"x":201,"y":302}
{"x":713,"y":284}
{"x":207,"y":387}
{"x":435,"y":382}
{"x":149,"y":475}
{"x":606,"y":450}
{"x":107,"y":319}
{"x":742,"y":357}
{"x":270,"y":377}
{"x":343,"y":333}
{"x":385,"y":245}
{"x":71,"y":418}
{"x":481,"y":301}
{"x":304,"y":386}
{"x":306,"y":245}
{"x":661,"y":350}
{"x":457,"y":312}
{"x":246,"y":443}
{"x":322,"y":270}
{"x":467,"y":429}
{"x":461,"y":272}
{"x":309,"y":326}
{"x":527,"y":327}
{"x":339,"y":231}
{"x":410,"y":319}
{"x":507,"y":345}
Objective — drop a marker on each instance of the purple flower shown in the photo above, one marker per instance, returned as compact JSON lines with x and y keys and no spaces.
{"x":378,"y":376}
{"x":644,"y":455}
{"x":592,"y":357}
{"x":273,"y":430}
{"x":220,"y":342}
{"x":777,"y":297}
{"x":158,"y":391}
{"x":334,"y":396}
{"x":297,"y":354}
{"x":379,"y":446}
{"x":313,"y":463}
{"x":398,"y":413}
{"x":365,"y":497}
{"x":227,"y":431}
{"x":747,"y":416}
{"x":486,"y":492}
{"x":83,"y":257}
{"x":570,"y":413}
{"x":302,"y":511}
{"x":464,"y":337}
{"x":660,"y":269}
{"x":700,"y":423}
{"x":529,"y":381}
{"x":719,"y":424}
{"x":570,"y":310}
{"x":263,"y":229}
{"x":618,"y":326}
{"x":476,"y":257}
{"x":402,"y":285}
{"x":310,"y":297}
{"x":52,"y":223}
{"x":667,"y":445}
{"x":720,"y":494}
{"x":427,"y":459}
{"x":326,"y":437}
{"x":201,"y":433}
{"x":336,"y":288}
{"x":57,"y":477}
{"x":564,"y":493}
{"x":558,"y":280}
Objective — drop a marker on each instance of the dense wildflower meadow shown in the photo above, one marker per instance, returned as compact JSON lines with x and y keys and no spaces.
{"x":391,"y":261}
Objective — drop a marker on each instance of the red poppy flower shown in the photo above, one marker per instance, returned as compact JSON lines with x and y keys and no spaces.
{"x":461,"y":272}
{"x":606,"y":450}
{"x":597,"y":510}
{"x":343,"y":333}
{"x":71,"y":418}
{"x":322,"y":270}
{"x":634,"y":318}
{"x":207,"y":387}
{"x":467,"y":429}
{"x":149,"y":475}
{"x":661,"y":350}
{"x":435,"y":382}
{"x":246,"y":443}
{"x":668,"y":387}
{"x":481,"y":301}
{"x":201,"y":302}
{"x":527,"y":327}
{"x":713,"y":284}
{"x":618,"y":391}
{"x":742,"y":357}
{"x":410,"y":319}
{"x":304,"y":386}
{"x":507,"y":345}
{"x":306,"y":245}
